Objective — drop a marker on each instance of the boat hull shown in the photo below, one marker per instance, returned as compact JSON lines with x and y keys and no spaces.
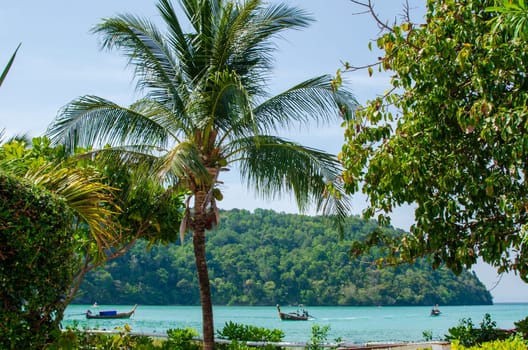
{"x":110,"y":314}
{"x":292,"y":317}
{"x":300,"y":315}
{"x":120,"y":315}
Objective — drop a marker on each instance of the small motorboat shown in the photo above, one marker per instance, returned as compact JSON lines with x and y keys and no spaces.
{"x":111,"y":314}
{"x":300,"y":315}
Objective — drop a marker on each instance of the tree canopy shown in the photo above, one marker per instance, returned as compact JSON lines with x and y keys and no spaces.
{"x":448,"y":138}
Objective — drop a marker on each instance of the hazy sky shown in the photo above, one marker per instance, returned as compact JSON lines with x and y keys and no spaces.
{"x":60,"y":60}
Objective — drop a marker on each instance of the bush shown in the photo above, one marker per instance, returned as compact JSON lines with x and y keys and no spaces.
{"x":319,"y":337}
{"x":467,"y":335}
{"x":522,"y":327}
{"x":37,"y":263}
{"x":74,"y":339}
{"x":513,"y":343}
{"x":178,"y":339}
{"x":243,"y":333}
{"x":182,"y":339}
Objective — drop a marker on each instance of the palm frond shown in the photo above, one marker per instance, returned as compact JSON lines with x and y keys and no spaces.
{"x":182,"y":162}
{"x":144,"y":45}
{"x":334,"y":203}
{"x":193,"y":11}
{"x":174,"y":122}
{"x":178,"y":41}
{"x":23,"y":138}
{"x":222,"y":104}
{"x":89,"y":198}
{"x":274,"y":166}
{"x":131,"y":155}
{"x":147,"y":161}
{"x":311,"y":100}
{"x":94,"y":121}
{"x":243,"y":41}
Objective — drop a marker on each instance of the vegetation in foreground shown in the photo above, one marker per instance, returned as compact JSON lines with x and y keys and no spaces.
{"x":462,"y":337}
{"x":513,"y":343}
{"x":466,"y":336}
{"x":60,"y":218}
{"x":236,"y":336}
{"x":37,"y":263}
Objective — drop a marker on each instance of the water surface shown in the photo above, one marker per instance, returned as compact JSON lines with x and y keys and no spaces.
{"x":351,"y":324}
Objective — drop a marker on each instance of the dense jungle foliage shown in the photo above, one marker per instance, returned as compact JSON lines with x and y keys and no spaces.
{"x":267,"y":258}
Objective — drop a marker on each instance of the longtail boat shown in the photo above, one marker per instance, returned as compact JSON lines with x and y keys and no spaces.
{"x":110,"y":314}
{"x":300,"y":315}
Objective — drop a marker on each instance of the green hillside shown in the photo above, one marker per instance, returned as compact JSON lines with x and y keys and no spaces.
{"x":267,"y":258}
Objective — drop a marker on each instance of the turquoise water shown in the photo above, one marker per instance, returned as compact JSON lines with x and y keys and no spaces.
{"x":351,"y":324}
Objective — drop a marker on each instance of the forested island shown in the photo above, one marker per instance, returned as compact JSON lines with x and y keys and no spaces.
{"x":268,"y":258}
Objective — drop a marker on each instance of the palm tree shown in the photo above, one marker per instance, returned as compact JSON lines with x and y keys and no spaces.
{"x":206,"y":110}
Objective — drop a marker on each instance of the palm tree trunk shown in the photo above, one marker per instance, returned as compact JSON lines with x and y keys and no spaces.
{"x":199,"y":226}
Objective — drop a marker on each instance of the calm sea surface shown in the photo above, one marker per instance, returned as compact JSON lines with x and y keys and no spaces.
{"x":351,"y":324}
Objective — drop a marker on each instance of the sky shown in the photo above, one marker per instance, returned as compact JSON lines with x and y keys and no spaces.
{"x":60,"y":60}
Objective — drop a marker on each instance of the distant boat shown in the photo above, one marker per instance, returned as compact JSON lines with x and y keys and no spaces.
{"x":300,"y":315}
{"x":112,"y":314}
{"x":435,"y":311}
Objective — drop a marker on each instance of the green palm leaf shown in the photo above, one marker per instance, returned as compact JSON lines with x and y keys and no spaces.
{"x":155,"y":68}
{"x":91,"y":120}
{"x":8,"y":66}
{"x":274,"y":166}
{"x":311,"y":100}
{"x":181,"y":162}
{"x":89,"y":198}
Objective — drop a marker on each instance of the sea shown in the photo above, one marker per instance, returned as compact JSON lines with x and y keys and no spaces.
{"x":345,"y":323}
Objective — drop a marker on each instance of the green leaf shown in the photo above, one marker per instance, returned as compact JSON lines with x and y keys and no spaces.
{"x":8,"y":66}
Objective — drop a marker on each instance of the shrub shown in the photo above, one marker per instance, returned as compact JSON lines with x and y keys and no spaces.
{"x":427,"y":335}
{"x":182,"y":339}
{"x":37,"y":263}
{"x":467,"y":335}
{"x":522,"y":327}
{"x":319,"y":337}
{"x":74,"y":339}
{"x":513,"y":343}
{"x":243,"y":333}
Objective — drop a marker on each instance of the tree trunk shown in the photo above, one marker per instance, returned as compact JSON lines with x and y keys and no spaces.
{"x":199,"y":226}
